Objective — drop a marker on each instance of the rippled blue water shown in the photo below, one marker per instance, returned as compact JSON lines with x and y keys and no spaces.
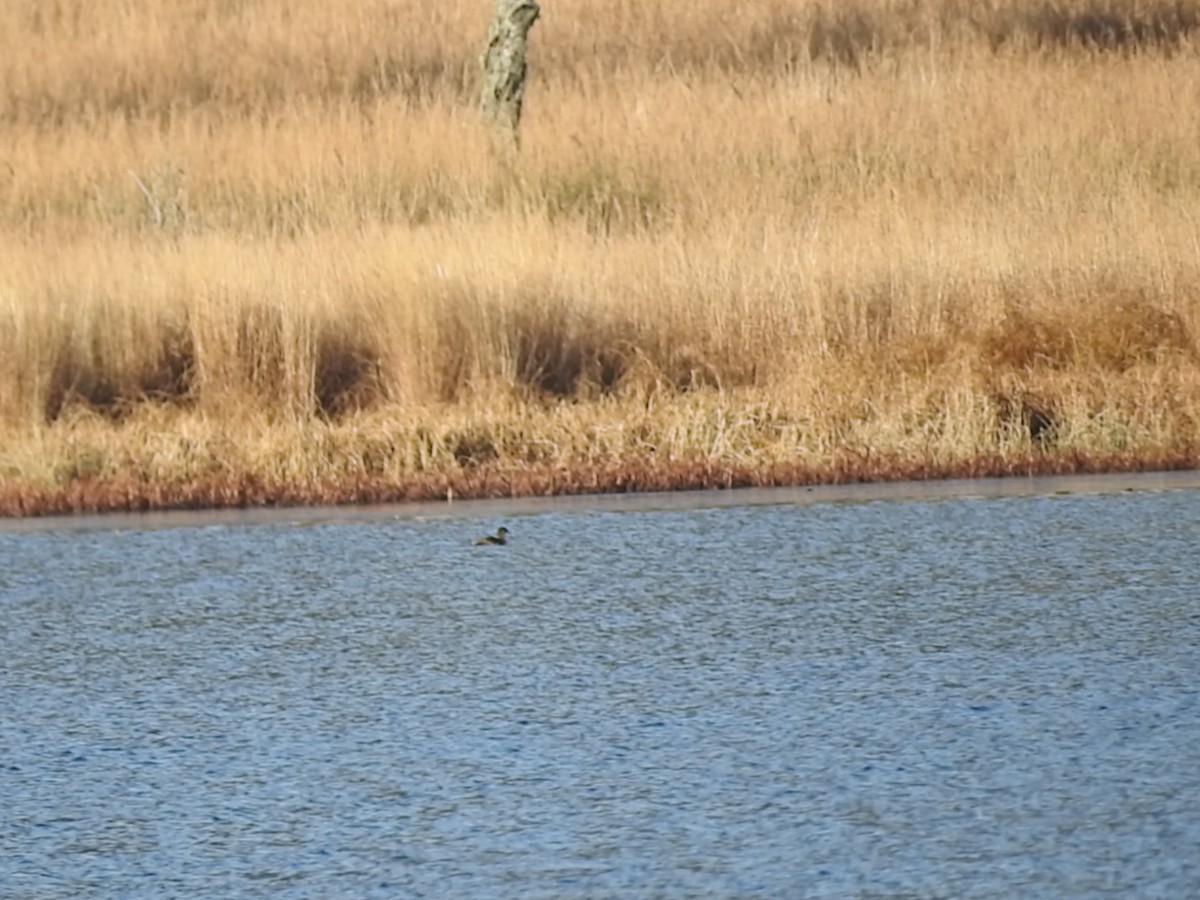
{"x":961,"y":698}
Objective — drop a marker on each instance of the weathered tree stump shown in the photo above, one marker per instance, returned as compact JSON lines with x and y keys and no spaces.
{"x":504,"y":67}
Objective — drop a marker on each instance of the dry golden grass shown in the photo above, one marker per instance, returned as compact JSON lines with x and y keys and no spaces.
{"x":259,"y":252}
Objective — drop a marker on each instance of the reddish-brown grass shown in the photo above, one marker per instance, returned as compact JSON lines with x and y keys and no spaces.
{"x":124,"y":494}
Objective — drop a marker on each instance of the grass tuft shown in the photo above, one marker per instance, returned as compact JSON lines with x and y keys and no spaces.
{"x":605,"y":199}
{"x":1113,"y":333}
{"x":85,"y":371}
{"x":562,"y":348}
{"x":1114,"y":24}
{"x":348,"y":370}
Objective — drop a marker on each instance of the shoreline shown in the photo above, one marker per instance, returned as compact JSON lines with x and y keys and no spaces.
{"x":98,"y":498}
{"x":984,"y":488}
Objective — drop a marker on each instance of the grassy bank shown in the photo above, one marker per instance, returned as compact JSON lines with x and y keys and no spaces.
{"x":259,"y":253}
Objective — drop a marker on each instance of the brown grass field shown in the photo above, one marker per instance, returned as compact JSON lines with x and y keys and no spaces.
{"x":258,"y":252}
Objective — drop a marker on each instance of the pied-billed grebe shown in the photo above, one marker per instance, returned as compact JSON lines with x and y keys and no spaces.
{"x":500,"y":537}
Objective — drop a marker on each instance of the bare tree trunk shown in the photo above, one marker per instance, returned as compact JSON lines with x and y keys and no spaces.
{"x":504,"y":67}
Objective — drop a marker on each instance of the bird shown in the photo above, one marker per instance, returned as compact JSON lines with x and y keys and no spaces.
{"x":500,"y":537}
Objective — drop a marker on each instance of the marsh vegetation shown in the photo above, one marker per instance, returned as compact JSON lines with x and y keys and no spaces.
{"x":256,"y":253}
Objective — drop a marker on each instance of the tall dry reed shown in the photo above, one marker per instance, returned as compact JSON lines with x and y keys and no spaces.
{"x":264,"y":244}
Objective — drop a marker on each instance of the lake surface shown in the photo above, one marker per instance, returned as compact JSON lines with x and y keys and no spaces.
{"x":806,"y":696}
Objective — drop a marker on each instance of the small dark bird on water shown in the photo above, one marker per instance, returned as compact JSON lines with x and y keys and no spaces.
{"x":500,"y":537}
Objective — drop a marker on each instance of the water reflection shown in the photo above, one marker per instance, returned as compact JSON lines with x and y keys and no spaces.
{"x":944,"y":698}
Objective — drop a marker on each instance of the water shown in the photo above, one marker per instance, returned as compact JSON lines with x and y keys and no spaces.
{"x":948,"y":697}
